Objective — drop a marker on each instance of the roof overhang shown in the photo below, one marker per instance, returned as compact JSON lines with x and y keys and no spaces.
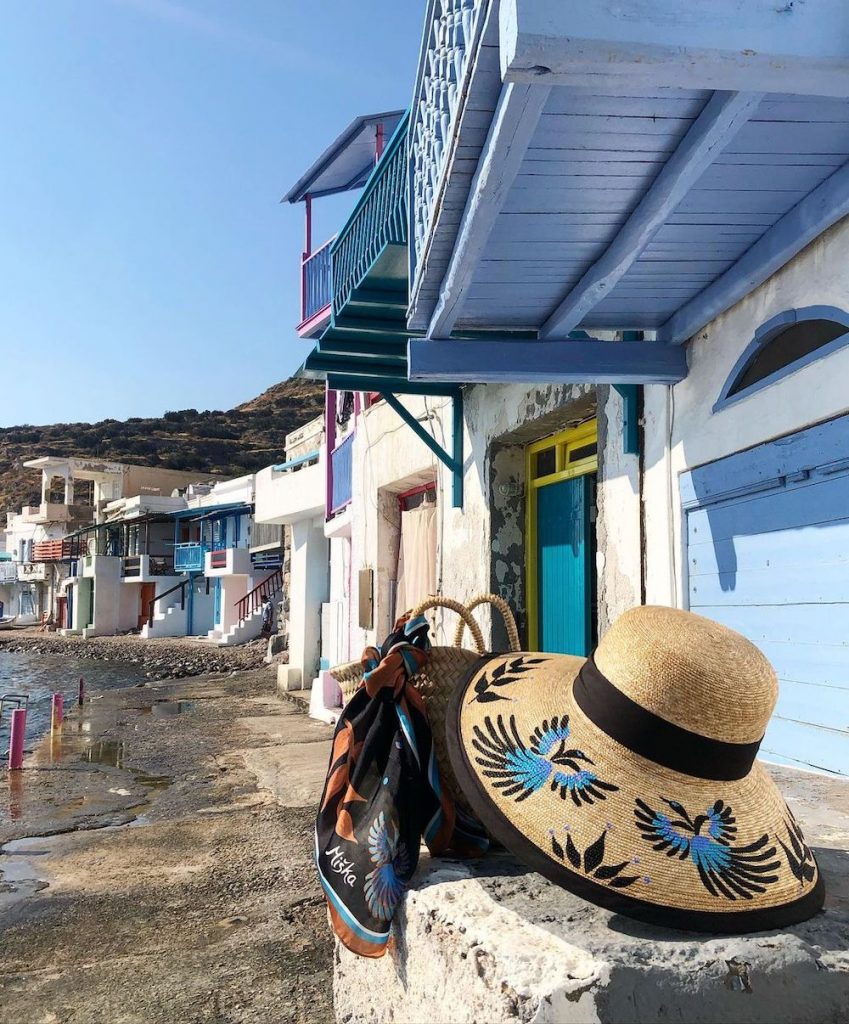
{"x":638,"y":168}
{"x":347,"y":161}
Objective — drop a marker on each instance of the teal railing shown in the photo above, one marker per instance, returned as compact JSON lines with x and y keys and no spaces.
{"x":379,"y":219}
{"x":189,"y":557}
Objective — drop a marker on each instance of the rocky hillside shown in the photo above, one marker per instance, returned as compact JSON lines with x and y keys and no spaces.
{"x":231,"y":443}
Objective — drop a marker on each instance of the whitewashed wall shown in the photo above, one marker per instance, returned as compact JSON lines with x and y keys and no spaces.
{"x":682,"y":431}
{"x":479,"y":547}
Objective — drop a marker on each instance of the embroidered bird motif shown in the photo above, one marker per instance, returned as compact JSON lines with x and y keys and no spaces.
{"x":724,"y":869}
{"x":519,"y":770}
{"x":384,"y":886}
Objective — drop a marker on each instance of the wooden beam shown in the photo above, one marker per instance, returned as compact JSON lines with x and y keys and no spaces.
{"x":546,"y":362}
{"x":809,"y":218}
{"x":397,"y":385}
{"x":454,"y":462}
{"x":723,"y":116}
{"x":756,"y":46}
{"x":511,"y":129}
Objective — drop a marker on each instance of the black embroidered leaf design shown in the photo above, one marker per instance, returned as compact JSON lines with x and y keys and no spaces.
{"x":593,"y":861}
{"x":620,"y":883}
{"x":799,"y":859}
{"x":504,"y":674}
{"x":594,"y":855}
{"x":572,"y":853}
{"x":488,"y":698}
{"x":610,"y":870}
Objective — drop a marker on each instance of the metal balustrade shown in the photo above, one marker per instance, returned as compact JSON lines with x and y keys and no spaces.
{"x":451,"y":32}
{"x":189,"y":557}
{"x":315,"y":282}
{"x":262,"y":592}
{"x":379,"y":219}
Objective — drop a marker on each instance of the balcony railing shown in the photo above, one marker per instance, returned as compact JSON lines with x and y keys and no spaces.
{"x":341,"y":460}
{"x":58,"y":550}
{"x":189,"y":557}
{"x":157,"y":565}
{"x":8,"y":572}
{"x":315,"y":284}
{"x":379,"y":219}
{"x":451,"y":35}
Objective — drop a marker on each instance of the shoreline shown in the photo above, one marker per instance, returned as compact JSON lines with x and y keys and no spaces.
{"x":163,"y":658}
{"x":156,"y":852}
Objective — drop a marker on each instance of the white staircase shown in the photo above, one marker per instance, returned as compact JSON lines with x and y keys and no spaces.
{"x":249,"y":626}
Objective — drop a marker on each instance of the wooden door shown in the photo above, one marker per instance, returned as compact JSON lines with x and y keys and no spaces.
{"x":148,"y":593}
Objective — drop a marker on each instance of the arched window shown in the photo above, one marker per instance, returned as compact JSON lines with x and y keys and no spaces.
{"x":784,"y":344}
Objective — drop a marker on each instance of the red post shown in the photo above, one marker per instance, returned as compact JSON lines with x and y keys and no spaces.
{"x":57,"y":709}
{"x":378,"y":142}
{"x":308,"y":226}
{"x":305,"y":255}
{"x":16,"y":739}
{"x":81,"y":699}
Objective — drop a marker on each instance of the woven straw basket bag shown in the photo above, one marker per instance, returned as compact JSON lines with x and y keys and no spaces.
{"x":444,"y":670}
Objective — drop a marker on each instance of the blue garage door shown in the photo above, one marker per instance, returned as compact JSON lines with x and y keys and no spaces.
{"x":768,"y":554}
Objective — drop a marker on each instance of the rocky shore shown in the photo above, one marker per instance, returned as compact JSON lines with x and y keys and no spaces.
{"x":171,"y":658}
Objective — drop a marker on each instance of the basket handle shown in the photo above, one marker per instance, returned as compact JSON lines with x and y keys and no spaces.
{"x":466,"y":619}
{"x":506,"y":613}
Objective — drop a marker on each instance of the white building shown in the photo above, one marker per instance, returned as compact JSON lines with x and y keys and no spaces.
{"x":292,"y":495}
{"x":58,"y":539}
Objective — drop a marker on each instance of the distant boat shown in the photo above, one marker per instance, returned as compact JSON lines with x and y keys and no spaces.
{"x":6,"y":622}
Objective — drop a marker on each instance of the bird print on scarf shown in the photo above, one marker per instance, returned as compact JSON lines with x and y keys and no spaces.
{"x":725,"y":870}
{"x":519,"y":769}
{"x":383,"y":886}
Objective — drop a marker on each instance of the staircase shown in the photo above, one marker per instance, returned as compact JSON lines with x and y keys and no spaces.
{"x":167,"y":618}
{"x":249,"y":610}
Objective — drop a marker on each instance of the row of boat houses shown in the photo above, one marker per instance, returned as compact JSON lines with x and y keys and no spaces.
{"x":585,"y":340}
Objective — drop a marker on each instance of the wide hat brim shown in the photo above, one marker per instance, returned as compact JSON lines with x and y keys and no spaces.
{"x":616,"y":828}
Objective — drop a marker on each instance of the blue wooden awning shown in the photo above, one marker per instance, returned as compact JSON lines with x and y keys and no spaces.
{"x":619,"y":167}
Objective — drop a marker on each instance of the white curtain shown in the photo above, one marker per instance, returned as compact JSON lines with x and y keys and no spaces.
{"x":416,"y":558}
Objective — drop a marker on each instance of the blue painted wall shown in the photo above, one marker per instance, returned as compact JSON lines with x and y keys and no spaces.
{"x":768,"y":555}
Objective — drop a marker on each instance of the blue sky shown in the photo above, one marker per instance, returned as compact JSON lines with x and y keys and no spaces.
{"x":145,"y":260}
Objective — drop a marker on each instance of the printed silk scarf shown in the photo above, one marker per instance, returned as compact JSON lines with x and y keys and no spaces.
{"x":382,"y":794}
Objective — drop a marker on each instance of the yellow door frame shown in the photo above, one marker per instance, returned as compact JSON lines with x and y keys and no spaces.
{"x":569,"y":462}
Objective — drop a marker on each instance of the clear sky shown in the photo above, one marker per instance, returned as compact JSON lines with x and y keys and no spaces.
{"x":145,"y":261}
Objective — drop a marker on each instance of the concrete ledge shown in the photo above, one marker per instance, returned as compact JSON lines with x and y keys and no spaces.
{"x":289,"y":677}
{"x":491,"y":941}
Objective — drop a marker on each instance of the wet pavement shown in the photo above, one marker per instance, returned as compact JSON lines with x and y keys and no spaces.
{"x":145,"y":877}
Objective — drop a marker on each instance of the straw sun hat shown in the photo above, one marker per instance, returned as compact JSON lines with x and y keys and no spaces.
{"x":630,"y":778}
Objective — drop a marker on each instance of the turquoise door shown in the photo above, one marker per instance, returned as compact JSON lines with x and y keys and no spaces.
{"x":217,"y":600}
{"x":566,"y":566}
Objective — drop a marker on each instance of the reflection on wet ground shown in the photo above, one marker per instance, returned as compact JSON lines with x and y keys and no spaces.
{"x":75,"y":744}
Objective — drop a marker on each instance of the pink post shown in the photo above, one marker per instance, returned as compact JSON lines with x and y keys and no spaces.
{"x":81,"y":698}
{"x":58,"y":707}
{"x":16,"y":739}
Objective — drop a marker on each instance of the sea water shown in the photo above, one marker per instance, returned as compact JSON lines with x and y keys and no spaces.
{"x":41,"y":675}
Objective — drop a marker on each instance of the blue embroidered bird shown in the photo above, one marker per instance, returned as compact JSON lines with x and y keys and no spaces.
{"x":517,"y":768}
{"x":724,"y":869}
{"x":384,"y":886}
